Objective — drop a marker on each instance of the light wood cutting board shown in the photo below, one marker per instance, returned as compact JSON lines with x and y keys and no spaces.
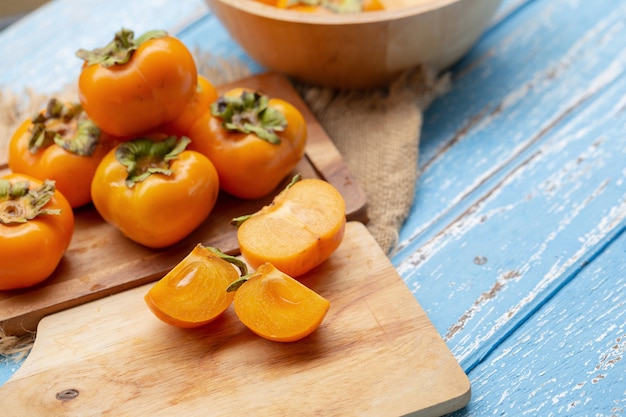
{"x":376,"y":354}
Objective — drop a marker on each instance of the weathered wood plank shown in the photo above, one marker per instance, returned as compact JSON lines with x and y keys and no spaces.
{"x":523,"y":166}
{"x":209,"y":36}
{"x":517,"y":84}
{"x":38,"y":52}
{"x":569,"y":358}
{"x":522,"y":169}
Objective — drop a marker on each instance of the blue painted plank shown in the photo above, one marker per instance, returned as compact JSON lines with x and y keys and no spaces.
{"x":521,"y":78}
{"x":8,"y":366}
{"x":209,"y":35}
{"x":565,"y":196}
{"x":570,"y":358}
{"x":523,"y":165}
{"x":38,"y":51}
{"x":522,"y":169}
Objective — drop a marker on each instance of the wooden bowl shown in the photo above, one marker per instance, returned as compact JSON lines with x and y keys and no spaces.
{"x":356,"y":50}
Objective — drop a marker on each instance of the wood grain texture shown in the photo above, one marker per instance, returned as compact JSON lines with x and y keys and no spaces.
{"x":528,"y":179}
{"x":521,"y":196}
{"x":569,"y":358}
{"x":376,"y":354}
{"x":521,"y":193}
{"x":356,"y":50}
{"x":100,"y":261}
{"x":50,"y":64}
{"x":41,"y":49}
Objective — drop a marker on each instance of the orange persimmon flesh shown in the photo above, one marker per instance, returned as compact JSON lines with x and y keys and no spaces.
{"x":193,"y":293}
{"x":329,"y":7}
{"x":278,"y":307}
{"x":299,"y":230}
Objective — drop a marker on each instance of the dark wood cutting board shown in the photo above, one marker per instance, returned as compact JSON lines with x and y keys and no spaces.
{"x":100,"y":261}
{"x":376,"y":354}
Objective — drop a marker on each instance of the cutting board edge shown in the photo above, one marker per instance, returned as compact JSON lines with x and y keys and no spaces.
{"x":459,"y":395}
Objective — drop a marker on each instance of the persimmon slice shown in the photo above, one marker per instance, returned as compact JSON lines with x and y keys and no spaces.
{"x":278,"y":307}
{"x":299,"y":230}
{"x":193,"y":293}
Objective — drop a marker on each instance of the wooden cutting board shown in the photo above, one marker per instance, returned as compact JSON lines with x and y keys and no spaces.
{"x":100,"y":261}
{"x":375,"y":354}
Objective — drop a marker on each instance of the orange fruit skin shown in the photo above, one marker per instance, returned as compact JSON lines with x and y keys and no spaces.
{"x":161,"y":210}
{"x":31,"y":251}
{"x":249,"y":167}
{"x":152,"y":88}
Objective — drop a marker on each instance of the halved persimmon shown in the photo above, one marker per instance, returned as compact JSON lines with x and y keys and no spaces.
{"x":193,"y":293}
{"x":278,"y":307}
{"x":299,"y":230}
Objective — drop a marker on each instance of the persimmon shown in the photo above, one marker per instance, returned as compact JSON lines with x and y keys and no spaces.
{"x":300,"y":229}
{"x":60,"y":143}
{"x":154,"y":190}
{"x":253,"y":140}
{"x":327,"y":6}
{"x":205,"y":95}
{"x":193,"y":293}
{"x":278,"y":307}
{"x":36,"y":228}
{"x":132,"y":85}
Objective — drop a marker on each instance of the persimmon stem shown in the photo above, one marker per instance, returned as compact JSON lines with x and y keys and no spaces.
{"x":143,"y":157}
{"x":238,"y":221}
{"x":19,"y":204}
{"x":234,"y":286}
{"x":119,"y":50}
{"x":241,"y":265}
{"x":65,"y":125}
{"x":294,"y":180}
{"x":250,"y":113}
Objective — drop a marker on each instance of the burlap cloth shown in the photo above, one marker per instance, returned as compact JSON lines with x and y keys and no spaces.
{"x":377,"y":132}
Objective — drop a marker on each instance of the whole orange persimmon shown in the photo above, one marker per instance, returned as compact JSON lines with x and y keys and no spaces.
{"x":131,"y":86}
{"x":36,"y":228}
{"x":254,"y":141}
{"x":154,"y":190}
{"x":60,"y":143}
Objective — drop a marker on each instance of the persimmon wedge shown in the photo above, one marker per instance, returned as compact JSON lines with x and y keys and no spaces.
{"x":277,"y":307}
{"x":299,"y":230}
{"x":193,"y":293}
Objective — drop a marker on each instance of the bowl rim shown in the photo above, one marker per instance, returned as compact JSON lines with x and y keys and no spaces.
{"x":270,"y":12}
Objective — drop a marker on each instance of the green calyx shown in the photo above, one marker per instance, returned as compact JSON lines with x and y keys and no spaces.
{"x":64,"y":125}
{"x":241,"y":265}
{"x":250,"y":113}
{"x":143,"y":157}
{"x":119,"y":50}
{"x":335,"y":6}
{"x":19,"y":204}
{"x":238,"y":221}
{"x":234,"y":286}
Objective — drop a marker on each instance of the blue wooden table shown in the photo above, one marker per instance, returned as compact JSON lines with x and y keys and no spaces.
{"x":515,"y":245}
